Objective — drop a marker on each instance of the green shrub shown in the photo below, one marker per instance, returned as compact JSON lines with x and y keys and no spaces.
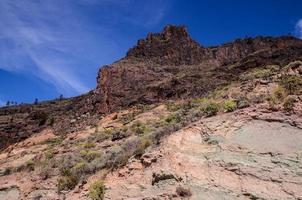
{"x":220,"y":92}
{"x":279,"y":93}
{"x":257,"y":73}
{"x":88,"y":145}
{"x":53,"y":141}
{"x":171,"y":106}
{"x":292,"y":84}
{"x":97,"y":190}
{"x":102,"y":135}
{"x":139,"y":128}
{"x":144,"y":143}
{"x":79,"y":168}
{"x":211,"y":109}
{"x":173,"y":119}
{"x":289,"y":104}
{"x":229,"y":105}
{"x":90,"y":155}
{"x":67,"y":182}
{"x":49,"y":154}
{"x":276,"y":97}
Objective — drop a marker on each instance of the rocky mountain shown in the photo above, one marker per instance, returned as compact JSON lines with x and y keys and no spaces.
{"x":187,"y":121}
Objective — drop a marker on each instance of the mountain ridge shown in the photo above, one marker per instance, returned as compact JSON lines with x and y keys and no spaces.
{"x":163,"y":66}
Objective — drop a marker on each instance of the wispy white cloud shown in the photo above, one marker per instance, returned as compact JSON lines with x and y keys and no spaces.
{"x":299,"y":28}
{"x":56,"y":40}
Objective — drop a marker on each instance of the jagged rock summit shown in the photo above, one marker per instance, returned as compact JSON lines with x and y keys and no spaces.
{"x":173,"y":46}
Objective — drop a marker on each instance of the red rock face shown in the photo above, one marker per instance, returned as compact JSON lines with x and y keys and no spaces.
{"x":171,"y":47}
{"x":171,"y":65}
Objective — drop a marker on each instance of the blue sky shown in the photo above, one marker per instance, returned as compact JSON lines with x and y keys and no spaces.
{"x":53,"y":47}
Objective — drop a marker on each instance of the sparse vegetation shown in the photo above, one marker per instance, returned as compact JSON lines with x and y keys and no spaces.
{"x":53,"y":141}
{"x":171,"y":106}
{"x":173,"y":119}
{"x":279,"y":93}
{"x":87,"y":144}
{"x":139,"y":128}
{"x":257,"y":73}
{"x":90,"y":155}
{"x":80,"y":168}
{"x":289,"y":104}
{"x":144,"y":143}
{"x":97,"y":190}
{"x":67,"y":182}
{"x":49,"y":154}
{"x":292,"y":84}
{"x":211,"y":109}
{"x":229,"y":105}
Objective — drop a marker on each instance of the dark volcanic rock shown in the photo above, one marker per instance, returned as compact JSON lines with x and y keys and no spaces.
{"x":173,"y":46}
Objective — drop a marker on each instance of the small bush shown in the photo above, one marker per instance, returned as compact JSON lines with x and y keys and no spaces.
{"x":289,"y":104}
{"x":229,"y":105}
{"x":53,"y":141}
{"x":49,"y":154}
{"x":279,"y":93}
{"x":102,"y":135}
{"x":211,"y":109}
{"x":292,"y":84}
{"x":88,"y":145}
{"x":139,"y":128}
{"x":79,"y":168}
{"x":144,"y":143}
{"x":257,"y":73}
{"x":97,"y":190}
{"x":90,"y":155}
{"x":67,"y":182}
{"x":173,"y":106}
{"x":173,"y":119}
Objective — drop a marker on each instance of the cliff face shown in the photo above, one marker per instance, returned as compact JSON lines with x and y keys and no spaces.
{"x":171,"y":65}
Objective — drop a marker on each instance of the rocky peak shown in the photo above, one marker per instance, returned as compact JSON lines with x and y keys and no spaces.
{"x":173,"y":46}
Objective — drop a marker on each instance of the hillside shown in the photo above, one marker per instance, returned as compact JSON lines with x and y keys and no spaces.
{"x":171,"y":120}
